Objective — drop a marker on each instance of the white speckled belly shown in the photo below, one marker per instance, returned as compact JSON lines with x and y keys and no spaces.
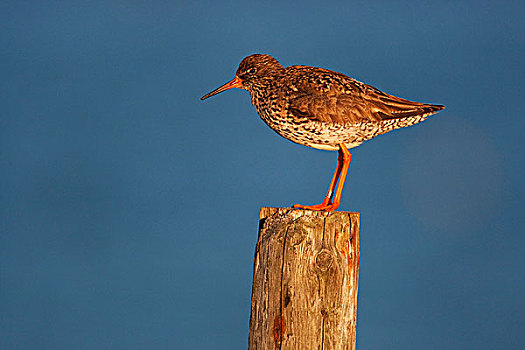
{"x":327,"y":136}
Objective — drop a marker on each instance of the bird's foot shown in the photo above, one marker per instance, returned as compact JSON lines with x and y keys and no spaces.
{"x":318,"y":207}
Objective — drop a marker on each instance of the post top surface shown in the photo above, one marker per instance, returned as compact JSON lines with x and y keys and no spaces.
{"x":269,"y":211}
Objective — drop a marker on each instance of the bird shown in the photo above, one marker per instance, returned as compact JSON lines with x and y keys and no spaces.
{"x":322,"y":109}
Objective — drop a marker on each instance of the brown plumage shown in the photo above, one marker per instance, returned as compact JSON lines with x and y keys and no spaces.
{"x":322,"y":109}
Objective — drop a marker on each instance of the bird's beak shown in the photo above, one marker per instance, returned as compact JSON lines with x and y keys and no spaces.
{"x":235,"y":83}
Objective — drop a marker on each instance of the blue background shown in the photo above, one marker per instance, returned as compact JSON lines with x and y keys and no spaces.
{"x":129,"y":207}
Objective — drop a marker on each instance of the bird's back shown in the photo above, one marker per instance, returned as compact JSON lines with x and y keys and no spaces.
{"x":330,"y":97}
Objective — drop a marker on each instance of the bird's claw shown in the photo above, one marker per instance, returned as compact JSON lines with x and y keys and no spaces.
{"x":318,"y":207}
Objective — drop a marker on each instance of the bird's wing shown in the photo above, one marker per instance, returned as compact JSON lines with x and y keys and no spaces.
{"x":335,"y":109}
{"x":331,"y":97}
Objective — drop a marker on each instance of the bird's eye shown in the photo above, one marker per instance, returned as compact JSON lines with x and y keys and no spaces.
{"x":251,"y":70}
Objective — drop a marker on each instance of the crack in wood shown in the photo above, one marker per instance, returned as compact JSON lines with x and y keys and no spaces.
{"x":278,"y":334}
{"x":322,"y":335}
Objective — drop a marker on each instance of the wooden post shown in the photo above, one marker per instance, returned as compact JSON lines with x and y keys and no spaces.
{"x":305,"y":278}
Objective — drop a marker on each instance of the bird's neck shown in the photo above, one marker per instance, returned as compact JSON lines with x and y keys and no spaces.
{"x":261,"y":88}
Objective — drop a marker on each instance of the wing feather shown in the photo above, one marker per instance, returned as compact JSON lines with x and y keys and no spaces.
{"x":330,"y":97}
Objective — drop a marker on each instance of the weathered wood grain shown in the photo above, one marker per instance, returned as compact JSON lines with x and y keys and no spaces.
{"x":305,"y":280}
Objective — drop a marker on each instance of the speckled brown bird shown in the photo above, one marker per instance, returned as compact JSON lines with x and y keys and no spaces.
{"x":322,"y":109}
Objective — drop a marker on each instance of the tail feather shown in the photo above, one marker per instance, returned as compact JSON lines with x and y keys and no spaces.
{"x":395,"y":107}
{"x":412,"y":112}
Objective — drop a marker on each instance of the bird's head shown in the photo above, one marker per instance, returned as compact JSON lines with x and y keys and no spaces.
{"x":252,"y":70}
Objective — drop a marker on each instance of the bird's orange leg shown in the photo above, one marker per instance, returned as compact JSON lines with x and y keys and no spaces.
{"x":343,"y":162}
{"x":347,"y":158}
